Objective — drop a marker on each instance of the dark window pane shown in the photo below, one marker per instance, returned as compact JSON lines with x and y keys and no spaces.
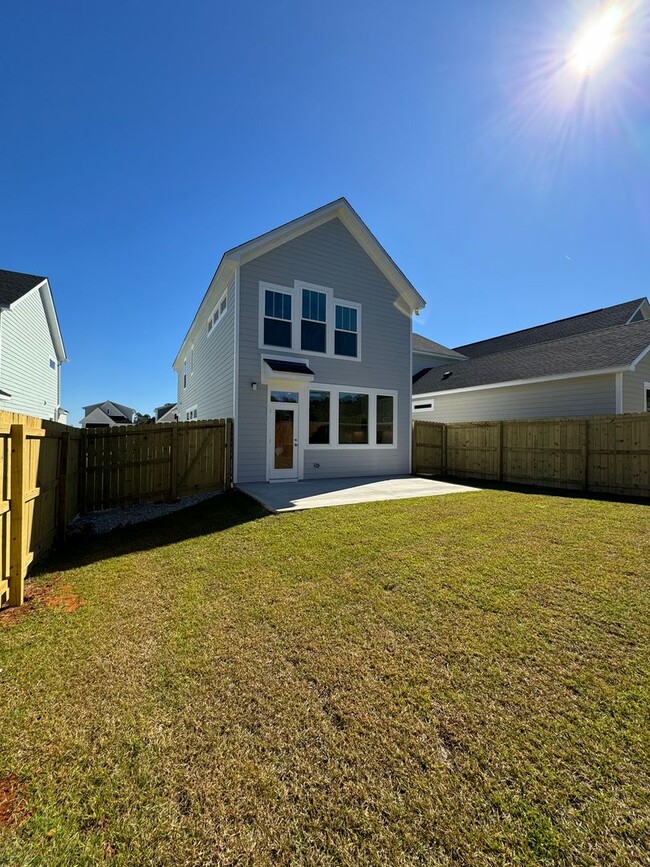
{"x":312,"y":336}
{"x":384,"y":419}
{"x":268,"y":304}
{"x":313,"y":305}
{"x":277,"y":332}
{"x":319,"y":417}
{"x":286,"y":306}
{"x":284,"y":397}
{"x":345,"y":343}
{"x":353,"y":418}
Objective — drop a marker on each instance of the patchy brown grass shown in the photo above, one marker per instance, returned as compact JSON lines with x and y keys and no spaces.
{"x":13,"y":803}
{"x":48,"y":593}
{"x":450,"y":681}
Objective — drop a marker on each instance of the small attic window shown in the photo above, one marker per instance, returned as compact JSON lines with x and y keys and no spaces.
{"x":446,"y":374}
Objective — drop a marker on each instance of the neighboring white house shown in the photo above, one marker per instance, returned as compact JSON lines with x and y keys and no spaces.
{"x":597,"y":363}
{"x":31,"y":347}
{"x":108,"y":414}
{"x":166,"y":413}
{"x":304,"y":340}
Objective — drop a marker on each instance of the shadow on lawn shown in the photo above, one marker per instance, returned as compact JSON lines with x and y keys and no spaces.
{"x":211,"y":516}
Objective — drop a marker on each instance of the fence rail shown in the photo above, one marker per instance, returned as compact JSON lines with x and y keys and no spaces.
{"x":601,"y":454}
{"x":50,"y":472}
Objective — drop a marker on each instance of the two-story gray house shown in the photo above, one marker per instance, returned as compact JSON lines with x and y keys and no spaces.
{"x":303,"y":338}
{"x":31,"y":347}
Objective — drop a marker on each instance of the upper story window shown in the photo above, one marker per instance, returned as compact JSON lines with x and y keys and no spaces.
{"x":313,"y":327}
{"x":52,"y":364}
{"x":346,"y":331}
{"x":191,"y":361}
{"x":309,"y":319}
{"x":647,"y":396}
{"x":218,"y":313}
{"x":277,"y":318}
{"x":185,"y":373}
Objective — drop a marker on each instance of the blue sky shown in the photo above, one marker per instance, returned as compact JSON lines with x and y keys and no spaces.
{"x":141,"y":140}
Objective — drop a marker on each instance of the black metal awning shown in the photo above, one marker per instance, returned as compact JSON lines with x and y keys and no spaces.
{"x":289,"y":367}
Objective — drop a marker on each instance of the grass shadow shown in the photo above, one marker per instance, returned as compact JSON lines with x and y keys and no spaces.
{"x":211,"y":516}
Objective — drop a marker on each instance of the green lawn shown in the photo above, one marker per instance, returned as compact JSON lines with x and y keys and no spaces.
{"x":454,"y":680}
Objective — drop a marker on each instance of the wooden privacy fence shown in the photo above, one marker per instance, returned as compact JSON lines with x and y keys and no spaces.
{"x":155,"y":462}
{"x":602,"y":454}
{"x":50,"y":472}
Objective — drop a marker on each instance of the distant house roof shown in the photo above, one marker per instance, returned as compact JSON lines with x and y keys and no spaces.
{"x":614,"y":348}
{"x":423,"y":344}
{"x":13,"y":285}
{"x":125,"y":410}
{"x":605,"y":317}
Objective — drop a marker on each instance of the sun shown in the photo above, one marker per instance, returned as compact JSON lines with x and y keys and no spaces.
{"x":597,"y":40}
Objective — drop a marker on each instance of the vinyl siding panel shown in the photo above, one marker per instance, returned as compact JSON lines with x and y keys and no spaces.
{"x":326,"y":256}
{"x":211,"y":386}
{"x":588,"y":395}
{"x":25,"y":351}
{"x":634,"y":385}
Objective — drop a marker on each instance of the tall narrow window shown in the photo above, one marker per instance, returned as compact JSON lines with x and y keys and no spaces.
{"x":385,"y":420}
{"x":185,"y":373}
{"x":277,"y":319}
{"x":192,"y":360}
{"x":346,"y":336}
{"x":313,"y":328}
{"x":647,"y":397}
{"x":353,"y":418}
{"x":319,"y":417}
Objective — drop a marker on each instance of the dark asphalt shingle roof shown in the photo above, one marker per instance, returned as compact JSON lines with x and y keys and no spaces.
{"x":125,"y":410}
{"x":606,"y":317}
{"x":423,"y":344}
{"x":289,"y":366}
{"x":13,"y":285}
{"x":617,"y":346}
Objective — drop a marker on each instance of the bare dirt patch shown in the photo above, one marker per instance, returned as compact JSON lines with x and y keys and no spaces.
{"x":48,"y":594}
{"x":13,"y":803}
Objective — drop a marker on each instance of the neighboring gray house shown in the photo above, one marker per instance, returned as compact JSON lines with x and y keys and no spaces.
{"x":597,"y":363}
{"x":304,"y":339}
{"x":108,"y":414}
{"x":31,"y":347}
{"x":166,"y":413}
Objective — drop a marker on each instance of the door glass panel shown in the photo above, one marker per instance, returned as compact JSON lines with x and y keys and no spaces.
{"x":283,"y":456}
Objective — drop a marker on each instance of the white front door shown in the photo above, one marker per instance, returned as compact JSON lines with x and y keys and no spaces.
{"x":283,"y":441}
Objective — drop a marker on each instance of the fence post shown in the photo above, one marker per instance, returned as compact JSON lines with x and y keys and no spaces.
{"x":443,"y":452}
{"x":63,"y":489}
{"x":83,"y":470}
{"x":500,"y":455}
{"x":227,"y":470}
{"x":17,"y":554}
{"x":585,"y":451}
{"x":173,"y":465}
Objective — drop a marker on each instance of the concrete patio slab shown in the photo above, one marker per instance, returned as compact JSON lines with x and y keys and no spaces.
{"x":316,"y":494}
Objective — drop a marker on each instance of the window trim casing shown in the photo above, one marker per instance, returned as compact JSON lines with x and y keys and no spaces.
{"x":193,"y":408}
{"x":372,"y":417}
{"x":430,"y":406}
{"x":216,"y":309}
{"x":296,"y":319}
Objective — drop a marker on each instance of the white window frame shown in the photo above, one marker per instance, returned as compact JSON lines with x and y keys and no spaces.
{"x":192,"y":361}
{"x":191,"y":413}
{"x":430,"y":404}
{"x":184,"y":373}
{"x":339,"y":302}
{"x":217,"y":314}
{"x":296,"y":319}
{"x":334,"y":416}
{"x":646,"y":390}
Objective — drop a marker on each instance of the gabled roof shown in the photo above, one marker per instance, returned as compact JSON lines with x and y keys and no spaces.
{"x":605,"y":317}
{"x":125,"y":410}
{"x":14,"y":285}
{"x":431,"y":347}
{"x":606,"y":350}
{"x":341,"y":209}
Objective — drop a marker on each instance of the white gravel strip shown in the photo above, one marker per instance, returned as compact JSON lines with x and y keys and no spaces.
{"x":111,"y":519}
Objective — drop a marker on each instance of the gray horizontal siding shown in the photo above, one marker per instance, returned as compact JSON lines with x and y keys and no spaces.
{"x":26,"y":348}
{"x":210,"y":388}
{"x":327,"y":256}
{"x":587,"y":395}
{"x":634,"y":386}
